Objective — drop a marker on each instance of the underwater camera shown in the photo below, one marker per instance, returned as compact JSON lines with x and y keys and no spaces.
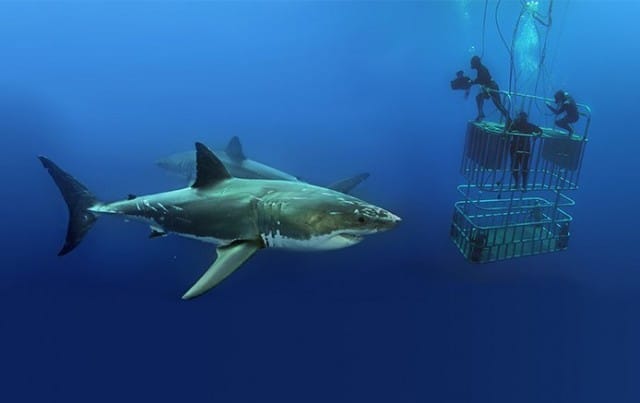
{"x":461,"y":82}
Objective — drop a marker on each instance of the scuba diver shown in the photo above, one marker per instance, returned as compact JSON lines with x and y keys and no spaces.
{"x":537,"y":214}
{"x":564,"y":103}
{"x":489,"y":89}
{"x":478,"y":245}
{"x":563,"y":236}
{"x":520,"y":148}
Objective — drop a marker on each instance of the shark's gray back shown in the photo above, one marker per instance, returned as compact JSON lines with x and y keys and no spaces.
{"x":242,"y":209}
{"x":184,"y":164}
{"x":238,"y":165}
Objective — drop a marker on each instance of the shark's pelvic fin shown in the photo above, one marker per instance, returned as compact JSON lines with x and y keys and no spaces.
{"x":347,"y":185}
{"x":234,"y":149}
{"x":229,"y":258}
{"x":79,"y":199}
{"x":209,"y":169}
{"x":156,"y":233}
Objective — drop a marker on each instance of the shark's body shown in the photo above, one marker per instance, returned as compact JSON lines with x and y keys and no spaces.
{"x":239,"y":166}
{"x":240,"y":216}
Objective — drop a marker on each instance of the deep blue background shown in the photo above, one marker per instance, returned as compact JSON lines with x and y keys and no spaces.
{"x":321,"y":90}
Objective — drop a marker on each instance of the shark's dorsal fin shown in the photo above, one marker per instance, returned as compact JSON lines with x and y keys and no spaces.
{"x":346,"y":185}
{"x":209,"y":169}
{"x":234,"y":149}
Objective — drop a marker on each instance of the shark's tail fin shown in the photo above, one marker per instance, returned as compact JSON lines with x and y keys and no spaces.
{"x":79,"y":199}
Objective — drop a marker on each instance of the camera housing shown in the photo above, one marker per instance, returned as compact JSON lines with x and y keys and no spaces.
{"x":461,"y":82}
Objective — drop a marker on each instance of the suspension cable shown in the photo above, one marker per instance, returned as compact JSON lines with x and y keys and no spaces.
{"x":543,"y":51}
{"x":484,"y":25}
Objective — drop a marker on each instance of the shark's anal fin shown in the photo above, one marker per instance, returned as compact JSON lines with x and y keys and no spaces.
{"x":229,"y":258}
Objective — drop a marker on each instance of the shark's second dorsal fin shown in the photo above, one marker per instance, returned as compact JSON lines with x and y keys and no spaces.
{"x":209,"y":169}
{"x":234,"y":149}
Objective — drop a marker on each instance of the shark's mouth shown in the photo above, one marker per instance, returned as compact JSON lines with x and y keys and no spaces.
{"x":350,"y":237}
{"x":335,"y":240}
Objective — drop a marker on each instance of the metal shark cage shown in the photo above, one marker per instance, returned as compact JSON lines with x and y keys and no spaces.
{"x":498,"y":220}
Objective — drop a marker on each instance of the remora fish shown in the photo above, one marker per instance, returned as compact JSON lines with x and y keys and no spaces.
{"x":239,"y":166}
{"x":240,"y":216}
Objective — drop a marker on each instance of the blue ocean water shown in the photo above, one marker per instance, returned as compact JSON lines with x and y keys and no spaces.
{"x":322,"y":90}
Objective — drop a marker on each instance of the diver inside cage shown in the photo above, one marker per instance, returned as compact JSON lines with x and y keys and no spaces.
{"x":520,"y":150}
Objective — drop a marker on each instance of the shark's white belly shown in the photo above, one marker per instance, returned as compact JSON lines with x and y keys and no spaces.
{"x":207,"y":239}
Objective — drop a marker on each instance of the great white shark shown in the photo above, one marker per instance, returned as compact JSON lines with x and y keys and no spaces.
{"x":239,"y":216}
{"x":238,"y":165}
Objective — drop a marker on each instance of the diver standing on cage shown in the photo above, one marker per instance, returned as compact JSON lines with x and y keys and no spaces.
{"x":520,"y":148}
{"x":565,"y":103}
{"x":489,"y":89}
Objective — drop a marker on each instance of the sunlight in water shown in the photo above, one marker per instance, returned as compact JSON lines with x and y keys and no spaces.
{"x":526,"y":46}
{"x":465,"y":9}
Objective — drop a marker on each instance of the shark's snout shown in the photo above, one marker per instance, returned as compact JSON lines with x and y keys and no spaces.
{"x":394,"y":218}
{"x":388,"y":220}
{"x":162,"y":163}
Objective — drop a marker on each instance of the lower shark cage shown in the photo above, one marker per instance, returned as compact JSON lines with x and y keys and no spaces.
{"x":515,"y":201}
{"x":496,"y":229}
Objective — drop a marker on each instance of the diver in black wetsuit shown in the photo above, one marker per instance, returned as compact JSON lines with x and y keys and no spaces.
{"x":489,"y":89}
{"x":520,"y":148}
{"x":565,"y":103}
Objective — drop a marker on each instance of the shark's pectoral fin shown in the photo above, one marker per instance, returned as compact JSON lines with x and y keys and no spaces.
{"x":229,"y":258}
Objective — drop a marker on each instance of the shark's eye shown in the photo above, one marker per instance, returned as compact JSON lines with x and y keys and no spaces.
{"x":361,"y":219}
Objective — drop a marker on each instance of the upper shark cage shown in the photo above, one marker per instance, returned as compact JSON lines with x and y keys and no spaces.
{"x":510,"y":209}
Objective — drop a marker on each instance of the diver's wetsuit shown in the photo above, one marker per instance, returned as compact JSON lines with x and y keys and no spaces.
{"x":571,"y":109}
{"x":520,"y":150}
{"x":489,"y":90}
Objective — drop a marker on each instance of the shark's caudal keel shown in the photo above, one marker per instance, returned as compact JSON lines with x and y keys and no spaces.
{"x":240,"y":216}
